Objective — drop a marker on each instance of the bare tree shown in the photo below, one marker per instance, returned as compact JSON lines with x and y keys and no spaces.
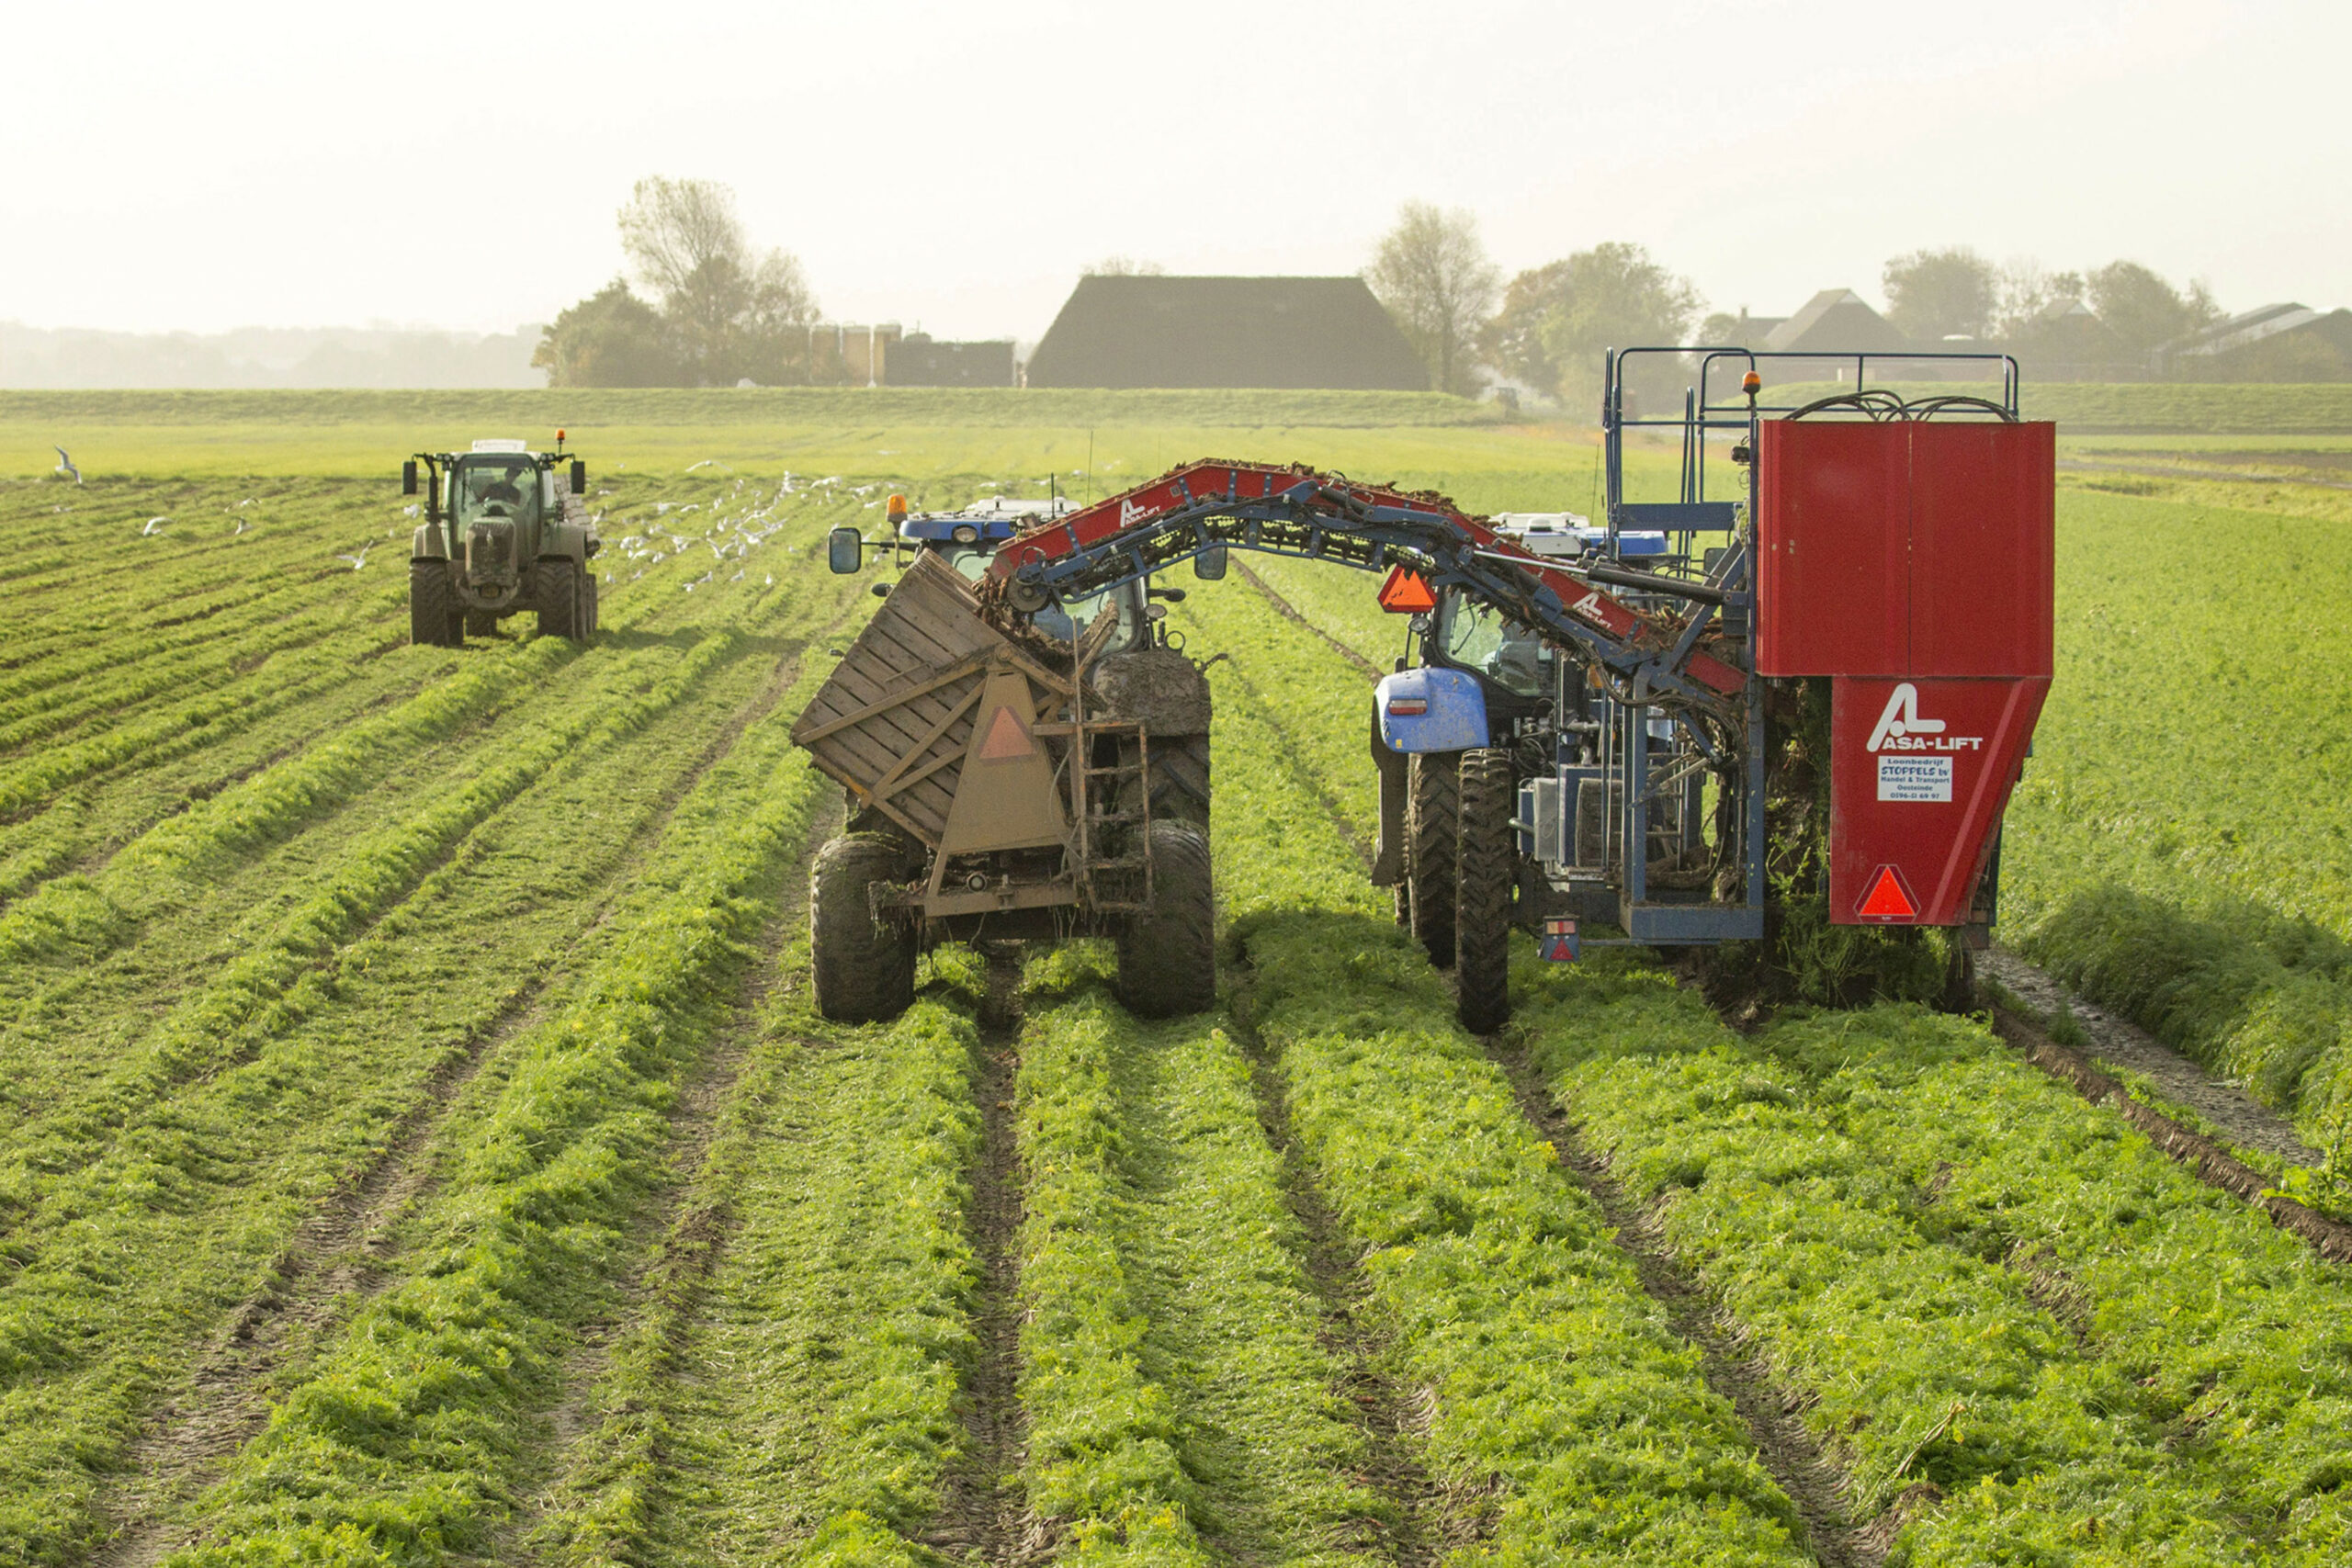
{"x":734,"y":311}
{"x":1433,"y":276}
{"x":1932,"y":294}
{"x":2026,"y":289}
{"x":1126,"y":266}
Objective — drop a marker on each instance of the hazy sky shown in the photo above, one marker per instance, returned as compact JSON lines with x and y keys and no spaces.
{"x":955,"y":165}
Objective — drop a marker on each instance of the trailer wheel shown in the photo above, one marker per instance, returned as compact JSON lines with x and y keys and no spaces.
{"x":1433,"y":813}
{"x":1486,"y":863}
{"x":1168,"y":958}
{"x":435,"y":618}
{"x":865,"y":970}
{"x":559,"y":599}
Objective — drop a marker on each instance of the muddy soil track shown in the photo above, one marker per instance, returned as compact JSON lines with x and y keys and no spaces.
{"x":981,"y":1514}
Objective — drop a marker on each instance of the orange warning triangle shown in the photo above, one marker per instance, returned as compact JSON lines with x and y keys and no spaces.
{"x":1405,"y":594}
{"x":1006,"y":738}
{"x":1888,"y":899}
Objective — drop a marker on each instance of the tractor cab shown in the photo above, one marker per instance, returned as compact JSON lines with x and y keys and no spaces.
{"x":968,"y":539}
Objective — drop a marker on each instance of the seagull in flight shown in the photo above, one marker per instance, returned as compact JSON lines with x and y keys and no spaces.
{"x":361,"y":559}
{"x":152,"y":523}
{"x":708,"y":463}
{"x":66,"y":464}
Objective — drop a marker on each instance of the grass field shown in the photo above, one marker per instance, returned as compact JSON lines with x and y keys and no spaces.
{"x":418,"y":1144}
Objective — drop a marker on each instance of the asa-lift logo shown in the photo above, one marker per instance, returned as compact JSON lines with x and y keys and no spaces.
{"x":1901,"y":728}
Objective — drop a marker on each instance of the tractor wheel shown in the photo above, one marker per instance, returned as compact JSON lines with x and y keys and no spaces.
{"x":559,"y":599}
{"x":865,"y":969}
{"x":1432,"y":811}
{"x":1180,"y":779}
{"x":1168,"y":958}
{"x":588,"y":600}
{"x":481,"y":623}
{"x":1487,"y":870}
{"x":434,"y":618}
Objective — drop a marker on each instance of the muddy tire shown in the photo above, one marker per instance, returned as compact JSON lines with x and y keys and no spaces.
{"x":1485,"y":876}
{"x":588,"y":603}
{"x":1432,"y":812}
{"x":435,"y":618}
{"x":865,"y":970}
{"x":1168,"y":958}
{"x":559,"y":599}
{"x":1180,"y":779}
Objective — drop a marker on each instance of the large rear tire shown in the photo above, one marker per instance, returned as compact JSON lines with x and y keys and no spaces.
{"x":1485,"y":874}
{"x":435,"y":618}
{"x":865,"y":969}
{"x":1432,"y":812}
{"x":1168,"y":958}
{"x":559,"y":599}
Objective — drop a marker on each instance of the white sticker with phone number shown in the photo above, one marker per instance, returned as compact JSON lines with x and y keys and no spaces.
{"x":1915,"y":778}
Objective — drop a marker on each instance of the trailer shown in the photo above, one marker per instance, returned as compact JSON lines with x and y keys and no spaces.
{"x":1009,"y":777}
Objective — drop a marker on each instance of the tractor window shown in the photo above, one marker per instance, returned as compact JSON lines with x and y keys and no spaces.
{"x":1477,"y":638}
{"x":497,"y":490}
{"x":1056,"y":620}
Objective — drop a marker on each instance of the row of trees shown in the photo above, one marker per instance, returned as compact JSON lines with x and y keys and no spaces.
{"x":1547,"y":327}
{"x":720,"y":310}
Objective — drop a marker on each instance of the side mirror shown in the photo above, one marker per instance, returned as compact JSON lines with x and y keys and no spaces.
{"x":844,"y":551}
{"x":408,"y":476}
{"x":1209,"y":565}
{"x":1174,"y":595}
{"x":579,"y":476}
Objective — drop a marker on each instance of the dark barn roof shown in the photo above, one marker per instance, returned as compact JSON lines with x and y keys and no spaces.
{"x":1226,"y":332}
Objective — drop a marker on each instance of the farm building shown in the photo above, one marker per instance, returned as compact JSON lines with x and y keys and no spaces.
{"x":919,"y":359}
{"x":1226,"y":332}
{"x":2285,"y":342}
{"x":1837,"y":321}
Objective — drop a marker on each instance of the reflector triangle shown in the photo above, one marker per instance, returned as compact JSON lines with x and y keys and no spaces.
{"x":1888,"y":899}
{"x":1405,"y":594}
{"x":1006,"y":738}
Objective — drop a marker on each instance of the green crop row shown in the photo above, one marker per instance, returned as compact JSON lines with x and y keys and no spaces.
{"x":1179,"y":1407}
{"x":1959,"y":1400}
{"x":1488,"y":1269}
{"x":2189,"y":873}
{"x":796,"y":1396}
{"x":183,"y":1218}
{"x":2245,"y":1360}
{"x":40,"y":682}
{"x":401,"y":1444}
{"x":251,"y":996}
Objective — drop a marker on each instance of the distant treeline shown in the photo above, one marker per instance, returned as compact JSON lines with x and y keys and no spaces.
{"x":36,"y":357}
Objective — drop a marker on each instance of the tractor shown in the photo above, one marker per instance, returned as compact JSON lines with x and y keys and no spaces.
{"x":504,"y":530}
{"x":1014,"y":776}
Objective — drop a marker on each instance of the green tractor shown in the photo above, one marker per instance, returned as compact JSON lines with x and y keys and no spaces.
{"x":504,"y":531}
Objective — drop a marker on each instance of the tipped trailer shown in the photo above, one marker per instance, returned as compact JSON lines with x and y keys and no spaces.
{"x":1016,"y":777}
{"x":1639,"y":730}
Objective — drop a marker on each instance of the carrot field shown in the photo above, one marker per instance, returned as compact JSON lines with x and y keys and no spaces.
{"x":419,"y":1143}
